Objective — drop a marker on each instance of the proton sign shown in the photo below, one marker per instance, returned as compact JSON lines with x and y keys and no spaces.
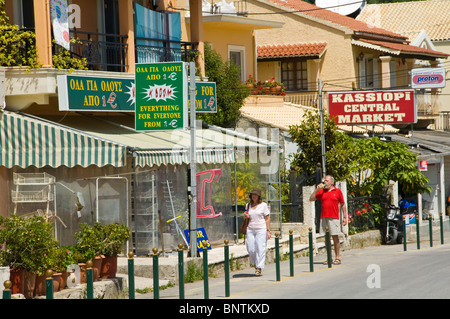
{"x":428,"y":78}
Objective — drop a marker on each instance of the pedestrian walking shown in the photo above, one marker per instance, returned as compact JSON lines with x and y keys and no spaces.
{"x":332,"y":199}
{"x":258,"y":230}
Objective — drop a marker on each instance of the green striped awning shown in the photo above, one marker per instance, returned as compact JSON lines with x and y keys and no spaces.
{"x":26,"y":141}
{"x":150,"y":158}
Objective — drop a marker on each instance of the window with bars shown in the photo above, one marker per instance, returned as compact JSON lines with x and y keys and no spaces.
{"x":294,"y":75}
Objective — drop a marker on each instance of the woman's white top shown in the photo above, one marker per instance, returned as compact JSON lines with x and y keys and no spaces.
{"x":257,"y":216}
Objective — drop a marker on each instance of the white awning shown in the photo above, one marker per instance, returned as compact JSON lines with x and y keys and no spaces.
{"x":214,"y":144}
{"x":26,"y":141}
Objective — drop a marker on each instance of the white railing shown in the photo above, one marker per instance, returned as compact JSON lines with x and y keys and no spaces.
{"x":428,"y":104}
{"x":306,"y":99}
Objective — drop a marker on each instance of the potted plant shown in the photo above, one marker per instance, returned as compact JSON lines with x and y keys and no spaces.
{"x":274,"y":87}
{"x":250,"y":83}
{"x":89,"y":245}
{"x":25,"y":243}
{"x":116,"y":236}
{"x":54,"y":259}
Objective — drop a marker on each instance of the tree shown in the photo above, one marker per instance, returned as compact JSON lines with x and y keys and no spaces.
{"x":379,"y":162}
{"x":231,"y":93}
{"x":338,"y":147}
{"x":366,"y":164}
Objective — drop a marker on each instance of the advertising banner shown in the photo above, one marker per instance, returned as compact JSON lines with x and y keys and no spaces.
{"x":372,"y":107}
{"x":87,"y":93}
{"x":202,"y":239}
{"x":428,"y":78}
{"x":161,"y":96}
{"x":205,"y":97}
{"x":60,"y":22}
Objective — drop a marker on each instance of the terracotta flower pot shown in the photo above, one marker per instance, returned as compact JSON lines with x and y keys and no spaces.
{"x":109,"y":267}
{"x":40,"y":287}
{"x":63,"y":280}
{"x":83,"y":275}
{"x":96,"y":266}
{"x":41,"y":284}
{"x":17,"y":279}
{"x":29,"y":283}
{"x":56,"y":281}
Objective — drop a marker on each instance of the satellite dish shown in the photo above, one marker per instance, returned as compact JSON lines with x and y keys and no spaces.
{"x":344,"y":7}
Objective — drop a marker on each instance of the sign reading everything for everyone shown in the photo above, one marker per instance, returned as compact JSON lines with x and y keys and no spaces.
{"x":372,"y":107}
{"x":161,"y":96}
{"x":205,"y":97}
{"x":88,"y":93}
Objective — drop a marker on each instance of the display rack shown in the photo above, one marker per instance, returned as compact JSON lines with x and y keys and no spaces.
{"x":147,"y":219}
{"x":28,"y":191}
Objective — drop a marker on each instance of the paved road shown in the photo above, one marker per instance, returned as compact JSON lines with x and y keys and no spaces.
{"x":369,"y":273}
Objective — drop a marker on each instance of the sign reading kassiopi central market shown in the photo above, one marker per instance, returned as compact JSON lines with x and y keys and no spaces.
{"x":374,"y":107}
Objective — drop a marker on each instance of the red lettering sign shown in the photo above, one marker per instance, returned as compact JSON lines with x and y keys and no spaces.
{"x":204,"y":193}
{"x":372,"y":107}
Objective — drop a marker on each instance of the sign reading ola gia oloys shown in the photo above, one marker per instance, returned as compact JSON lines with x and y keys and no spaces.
{"x":372,"y":107}
{"x":428,"y":78}
{"x":161,"y":96}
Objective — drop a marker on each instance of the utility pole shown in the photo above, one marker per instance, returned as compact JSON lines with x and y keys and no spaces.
{"x":322,"y":132}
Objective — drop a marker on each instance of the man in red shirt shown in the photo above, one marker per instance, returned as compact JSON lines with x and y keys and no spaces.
{"x":332,"y":199}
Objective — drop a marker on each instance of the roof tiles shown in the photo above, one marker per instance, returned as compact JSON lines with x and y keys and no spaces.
{"x":336,"y":18}
{"x":291,"y":50}
{"x":409,"y":18}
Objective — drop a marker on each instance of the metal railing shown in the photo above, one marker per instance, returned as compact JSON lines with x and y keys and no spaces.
{"x":310,"y":99}
{"x":428,"y":104}
{"x":157,"y":50}
{"x":103,"y":51}
{"x":216,"y":7}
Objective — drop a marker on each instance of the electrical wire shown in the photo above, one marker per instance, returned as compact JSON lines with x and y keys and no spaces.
{"x":276,"y":12}
{"x":332,"y":82}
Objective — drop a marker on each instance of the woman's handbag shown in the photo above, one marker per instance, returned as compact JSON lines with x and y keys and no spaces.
{"x":243,"y":229}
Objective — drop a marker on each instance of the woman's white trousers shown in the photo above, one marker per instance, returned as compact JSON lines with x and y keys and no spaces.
{"x":256,"y":247}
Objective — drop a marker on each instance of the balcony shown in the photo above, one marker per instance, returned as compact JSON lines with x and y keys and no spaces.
{"x":103,"y":52}
{"x":428,"y":104}
{"x":307,"y":98}
{"x":211,"y":7}
{"x":157,"y":50}
{"x":108,"y":52}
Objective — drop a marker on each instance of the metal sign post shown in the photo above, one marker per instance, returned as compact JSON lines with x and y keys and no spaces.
{"x":193,"y":166}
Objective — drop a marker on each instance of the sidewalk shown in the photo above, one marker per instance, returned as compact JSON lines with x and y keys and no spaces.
{"x":238,"y":256}
{"x":117,"y":288}
{"x":168,"y":262}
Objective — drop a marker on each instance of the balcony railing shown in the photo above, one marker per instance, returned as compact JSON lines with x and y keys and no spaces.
{"x":103,"y":52}
{"x":428,"y":104}
{"x":310,"y":98}
{"x":157,"y":50}
{"x":238,"y":7}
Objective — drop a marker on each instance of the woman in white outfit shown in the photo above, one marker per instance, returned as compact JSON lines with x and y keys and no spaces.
{"x":258,"y":230}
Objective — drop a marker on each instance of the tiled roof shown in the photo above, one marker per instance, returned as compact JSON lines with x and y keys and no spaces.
{"x":409,"y":18}
{"x":403,"y":48}
{"x":291,"y":50}
{"x":283,"y":115}
{"x":335,"y":18}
